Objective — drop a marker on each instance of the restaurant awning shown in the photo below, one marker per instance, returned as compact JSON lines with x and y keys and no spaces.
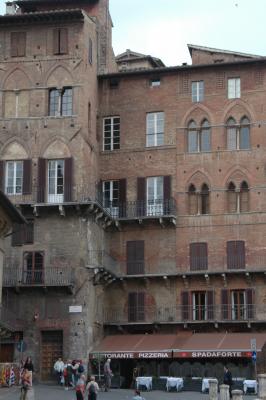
{"x":182,"y":345}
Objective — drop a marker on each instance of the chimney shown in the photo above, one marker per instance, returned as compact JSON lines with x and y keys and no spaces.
{"x":10,"y":8}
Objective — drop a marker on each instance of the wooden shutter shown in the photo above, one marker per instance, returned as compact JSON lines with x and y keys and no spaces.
{"x":132,"y":307}
{"x":122,"y":197}
{"x":21,"y":51}
{"x":2,"y":181}
{"x":26,"y":187}
{"x":29,"y":232}
{"x":210,"y":304}
{"x":14,"y":44}
{"x":141,"y":197}
{"x":232,"y":201}
{"x":141,"y":306}
{"x":56,"y":41}
{"x":236,"y":254}
{"x":198,"y":256}
{"x":41,"y":180}
{"x":167,"y":194}
{"x":99,"y":189}
{"x":185,"y":305}
{"x":63,"y":41}
{"x":17,"y":235}
{"x":68,"y":178}
{"x":135,"y":257}
{"x":225,"y":304}
{"x":250,"y":303}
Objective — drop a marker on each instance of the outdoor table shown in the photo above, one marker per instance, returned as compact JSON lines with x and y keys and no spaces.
{"x":172,"y":382}
{"x":250,"y":384}
{"x":144,"y":381}
{"x":205,"y":383}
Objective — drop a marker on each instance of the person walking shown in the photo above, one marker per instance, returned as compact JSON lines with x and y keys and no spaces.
{"x":92,"y":388}
{"x":80,"y":388}
{"x":68,"y":375}
{"x":29,"y":367}
{"x":228,"y":380}
{"x":107,"y":374}
{"x":26,"y":383}
{"x":59,"y":368}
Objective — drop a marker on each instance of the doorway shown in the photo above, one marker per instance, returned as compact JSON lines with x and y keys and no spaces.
{"x":126,"y":371}
{"x":51,"y":350}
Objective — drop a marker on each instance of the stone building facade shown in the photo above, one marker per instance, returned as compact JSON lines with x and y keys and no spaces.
{"x":144,"y":188}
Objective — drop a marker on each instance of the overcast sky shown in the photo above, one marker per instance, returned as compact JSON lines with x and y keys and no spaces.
{"x":163,"y":28}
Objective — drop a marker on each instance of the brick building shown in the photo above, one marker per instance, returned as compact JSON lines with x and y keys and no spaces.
{"x":144,"y":190}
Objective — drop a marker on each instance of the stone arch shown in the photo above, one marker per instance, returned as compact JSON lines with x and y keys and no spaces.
{"x":56,"y":148}
{"x":238,"y":109}
{"x":198,"y":178}
{"x":15,"y":78}
{"x":59,"y":76}
{"x":237,"y":176}
{"x":14,"y":150}
{"x":198,"y":113}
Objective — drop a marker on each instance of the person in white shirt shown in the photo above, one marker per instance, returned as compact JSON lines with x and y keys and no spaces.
{"x":59,"y":368}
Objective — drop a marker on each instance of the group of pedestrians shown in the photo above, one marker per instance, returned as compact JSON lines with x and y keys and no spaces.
{"x":68,"y":373}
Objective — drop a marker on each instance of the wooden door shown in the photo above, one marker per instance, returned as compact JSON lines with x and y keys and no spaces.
{"x":51,"y":350}
{"x":6,"y":353}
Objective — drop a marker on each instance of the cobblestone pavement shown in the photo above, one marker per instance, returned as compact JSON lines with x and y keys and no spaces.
{"x":46,"y":392}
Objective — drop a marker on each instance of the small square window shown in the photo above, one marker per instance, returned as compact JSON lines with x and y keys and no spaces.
{"x":155,"y":82}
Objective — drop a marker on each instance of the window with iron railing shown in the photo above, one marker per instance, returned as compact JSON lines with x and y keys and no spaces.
{"x":33,"y":267}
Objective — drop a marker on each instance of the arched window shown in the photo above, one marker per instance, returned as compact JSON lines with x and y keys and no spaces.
{"x":192,"y":137}
{"x":244,"y":197}
{"x":205,"y":136}
{"x":231,"y":134}
{"x":205,"y":202}
{"x":232,"y":198}
{"x":192,"y":200}
{"x":244,"y":141}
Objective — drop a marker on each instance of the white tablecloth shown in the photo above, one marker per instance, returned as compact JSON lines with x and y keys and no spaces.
{"x":250,"y":384}
{"x":205,"y":383}
{"x":173,"y":382}
{"x":145,"y":381}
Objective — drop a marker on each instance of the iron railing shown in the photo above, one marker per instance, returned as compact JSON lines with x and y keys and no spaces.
{"x":15,"y":276}
{"x":182,"y":314}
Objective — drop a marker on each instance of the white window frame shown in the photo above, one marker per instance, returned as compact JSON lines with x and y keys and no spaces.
{"x":113,"y":210}
{"x":55,"y":197}
{"x":197,"y":91}
{"x":233,"y":309}
{"x":14,"y":185}
{"x":112,"y":137}
{"x":195,"y":306}
{"x":234,"y":88}
{"x":153,"y":119}
{"x":155,"y":202}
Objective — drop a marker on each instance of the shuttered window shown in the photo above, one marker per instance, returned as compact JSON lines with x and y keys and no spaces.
{"x":237,"y":305}
{"x":135,"y":257}
{"x":198,"y":256}
{"x":185,"y":301}
{"x":33,"y":267}
{"x":136,"y":307}
{"x":244,"y":197}
{"x":23,"y":233}
{"x":18,"y":44}
{"x":232,"y":198}
{"x":68,"y":177}
{"x":60,"y":41}
{"x":236,"y":254}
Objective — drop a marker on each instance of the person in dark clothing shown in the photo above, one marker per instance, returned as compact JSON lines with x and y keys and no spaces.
{"x":29,"y":367}
{"x":228,"y":380}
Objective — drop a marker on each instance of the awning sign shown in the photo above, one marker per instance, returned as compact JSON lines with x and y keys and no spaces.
{"x":212,"y":354}
{"x":129,"y":355}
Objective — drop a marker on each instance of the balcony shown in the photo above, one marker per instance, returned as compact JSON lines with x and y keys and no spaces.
{"x":19,"y":276}
{"x":185,"y":315}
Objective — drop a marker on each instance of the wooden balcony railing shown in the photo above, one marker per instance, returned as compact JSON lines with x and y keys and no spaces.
{"x":186,"y":314}
{"x":17,"y":276}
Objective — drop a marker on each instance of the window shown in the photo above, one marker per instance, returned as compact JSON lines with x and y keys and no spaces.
{"x":198,"y":256}
{"x":238,"y":136}
{"x":60,"y":41}
{"x":199,"y":300}
{"x":236,"y":254}
{"x":198,"y":305}
{"x":23,"y":233}
{"x":14,"y":177}
{"x":197,"y":89}
{"x":234,"y":90}
{"x":135,"y":257}
{"x":60,"y":102}
{"x":111,"y":197}
{"x":155,"y":129}
{"x":18,"y":44}
{"x":90,"y":50}
{"x":238,"y":304}
{"x":199,"y":139}
{"x":111,"y":133}
{"x":155,"y":195}
{"x":55,"y":181}
{"x":136,"y":307}
{"x":199,"y":202}
{"x":238,"y":200}
{"x":155,"y":82}
{"x":33,"y":266}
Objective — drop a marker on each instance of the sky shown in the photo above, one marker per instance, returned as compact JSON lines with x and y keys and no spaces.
{"x":163,"y":28}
